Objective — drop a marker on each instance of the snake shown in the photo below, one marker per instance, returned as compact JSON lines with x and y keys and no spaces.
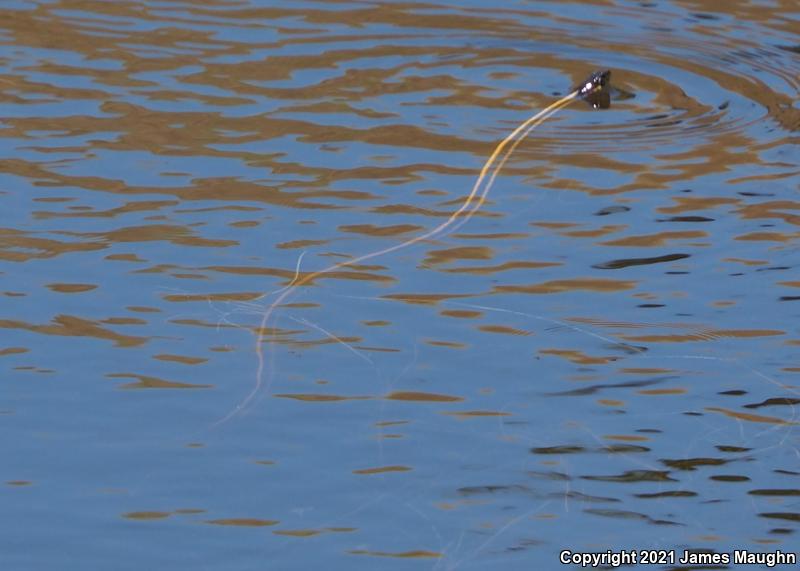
{"x":593,"y":90}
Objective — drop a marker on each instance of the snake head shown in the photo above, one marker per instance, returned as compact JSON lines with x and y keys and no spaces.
{"x":593,"y":89}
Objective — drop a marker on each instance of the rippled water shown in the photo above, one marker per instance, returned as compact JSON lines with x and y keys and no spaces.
{"x":604,"y":357}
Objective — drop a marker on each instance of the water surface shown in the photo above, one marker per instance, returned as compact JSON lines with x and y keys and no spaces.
{"x":604,"y":357}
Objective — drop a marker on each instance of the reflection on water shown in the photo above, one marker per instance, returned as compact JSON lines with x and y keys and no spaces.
{"x":604,"y":357}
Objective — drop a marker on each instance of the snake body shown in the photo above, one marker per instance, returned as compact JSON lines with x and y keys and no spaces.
{"x":591,"y":90}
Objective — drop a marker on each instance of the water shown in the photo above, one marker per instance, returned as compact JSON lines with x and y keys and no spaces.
{"x":604,"y":357}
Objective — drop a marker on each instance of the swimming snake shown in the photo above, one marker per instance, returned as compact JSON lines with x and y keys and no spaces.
{"x":593,"y":90}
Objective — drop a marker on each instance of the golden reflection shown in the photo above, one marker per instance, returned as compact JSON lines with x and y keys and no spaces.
{"x":415,"y":396}
{"x":299,"y":244}
{"x":13,"y":351}
{"x":493,"y":236}
{"x":627,"y":437}
{"x":706,"y":335}
{"x":694,"y":204}
{"x":577,"y":357}
{"x":578,"y":284}
{"x":461,"y":313}
{"x":298,"y":532}
{"x":505,"y":266}
{"x":373,"y":230}
{"x":596,"y":233}
{"x":146,"y":515}
{"x":145,"y":382}
{"x":785,"y":237}
{"x":18,"y":246}
{"x":320,"y":397}
{"x":72,"y":326}
{"x":180,"y":359}
{"x":381,"y":470}
{"x":447,"y":344}
{"x":646,"y":371}
{"x":138,"y":206}
{"x":201,"y":323}
{"x":124,"y":258}
{"x":661,"y":392}
{"x":244,"y":522}
{"x":751,"y":417}
{"x":461,"y":253}
{"x":207,"y":297}
{"x":423,"y":298}
{"x":385,"y":423}
{"x":71,"y":288}
{"x":504,"y":329}
{"x":660,"y":239}
{"x":123,"y":321}
{"x":377,"y":349}
{"x":418,"y":554}
{"x":469,"y":414}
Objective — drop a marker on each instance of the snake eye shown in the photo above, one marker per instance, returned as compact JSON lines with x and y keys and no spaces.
{"x":601,"y":78}
{"x":594,"y":83}
{"x":593,"y":89}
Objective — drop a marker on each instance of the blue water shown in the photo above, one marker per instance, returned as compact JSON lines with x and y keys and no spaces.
{"x":603,"y":357}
